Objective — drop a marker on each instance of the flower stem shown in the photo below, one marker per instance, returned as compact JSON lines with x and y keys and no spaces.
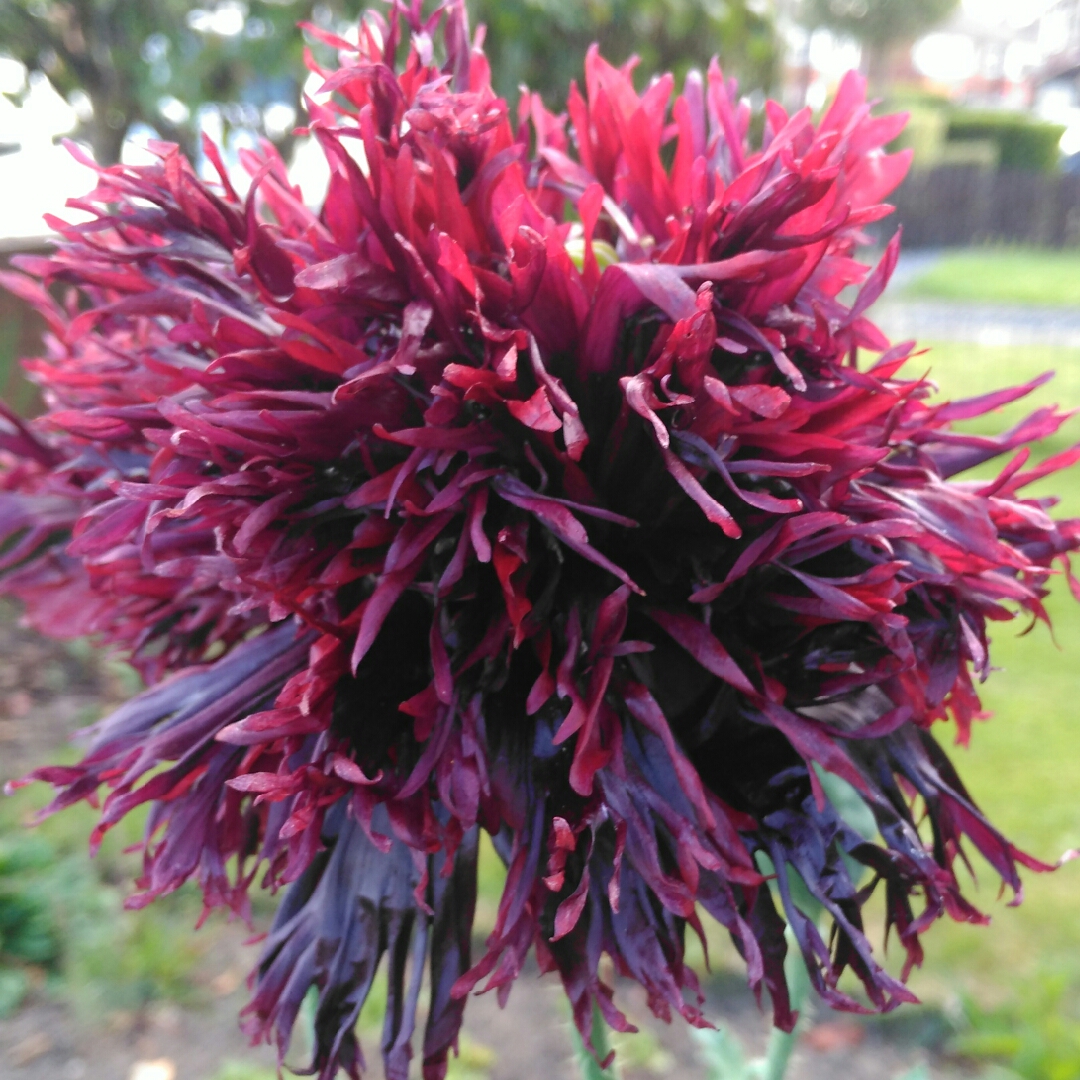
{"x":782,"y":1043}
{"x":590,"y":1065}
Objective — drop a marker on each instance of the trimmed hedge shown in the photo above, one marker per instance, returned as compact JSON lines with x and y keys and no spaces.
{"x":1023,"y":143}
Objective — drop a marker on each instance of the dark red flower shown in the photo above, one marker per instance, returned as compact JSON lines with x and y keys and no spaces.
{"x":533,"y":485}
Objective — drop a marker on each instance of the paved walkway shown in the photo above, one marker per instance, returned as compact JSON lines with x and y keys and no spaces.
{"x":910,"y":265}
{"x":981,"y":324}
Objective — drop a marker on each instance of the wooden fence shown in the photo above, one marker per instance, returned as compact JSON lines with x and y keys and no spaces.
{"x":957,"y":205}
{"x":20,"y":335}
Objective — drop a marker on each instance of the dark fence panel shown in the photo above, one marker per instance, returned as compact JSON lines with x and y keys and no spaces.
{"x":21,"y":330}
{"x":957,"y":205}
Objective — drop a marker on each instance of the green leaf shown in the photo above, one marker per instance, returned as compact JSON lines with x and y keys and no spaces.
{"x":242,"y":1070}
{"x":588,"y":1065}
{"x":721,"y":1055}
{"x":920,"y":1072}
{"x":13,"y":989}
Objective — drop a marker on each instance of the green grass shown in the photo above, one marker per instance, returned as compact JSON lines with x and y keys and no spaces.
{"x":1002,"y":275}
{"x":963,"y":369}
{"x":241,"y":1070}
{"x":1023,"y":767}
{"x":1011,"y":989}
{"x":1038,"y":1037}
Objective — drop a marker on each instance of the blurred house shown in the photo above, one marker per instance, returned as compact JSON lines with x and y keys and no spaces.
{"x":1011,"y":54}
{"x":979,"y":62}
{"x":1058,"y":44}
{"x":1056,"y":79}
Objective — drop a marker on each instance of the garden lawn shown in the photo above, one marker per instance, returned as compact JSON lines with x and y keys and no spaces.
{"x":1023,"y":767}
{"x":1001,"y":275}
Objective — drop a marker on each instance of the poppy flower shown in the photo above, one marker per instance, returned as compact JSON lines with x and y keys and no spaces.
{"x":549,"y":480}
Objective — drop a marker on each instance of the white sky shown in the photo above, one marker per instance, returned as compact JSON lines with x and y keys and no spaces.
{"x":1016,"y":13}
{"x":40,"y":177}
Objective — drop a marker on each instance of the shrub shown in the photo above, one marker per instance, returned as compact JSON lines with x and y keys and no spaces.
{"x":27,"y":932}
{"x":924,"y":134}
{"x":60,"y":912}
{"x":1023,"y":142}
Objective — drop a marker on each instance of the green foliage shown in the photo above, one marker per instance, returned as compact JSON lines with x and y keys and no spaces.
{"x":63,"y":912}
{"x":913,"y":96}
{"x":148,"y":62}
{"x":877,"y":23}
{"x":124,"y":960}
{"x":132,"y":58}
{"x":1036,"y":1036}
{"x":542,"y":43}
{"x":472,"y":1062}
{"x":723,"y":1058}
{"x":26,"y":930}
{"x":721,"y":1052}
{"x":1022,"y":141}
{"x":240,"y":1070}
{"x":17,"y":328}
{"x":373,"y":1011}
{"x":642,"y":1052}
{"x":722,"y":1055}
{"x":924,"y":134}
{"x":1002,"y":275}
{"x":588,"y":1064}
{"x":14,"y":986}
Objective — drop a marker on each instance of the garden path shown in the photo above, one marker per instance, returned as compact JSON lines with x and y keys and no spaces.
{"x":904,"y":319}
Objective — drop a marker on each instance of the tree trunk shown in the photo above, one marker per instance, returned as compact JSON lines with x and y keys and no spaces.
{"x":878,"y":56}
{"x":106,"y":141}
